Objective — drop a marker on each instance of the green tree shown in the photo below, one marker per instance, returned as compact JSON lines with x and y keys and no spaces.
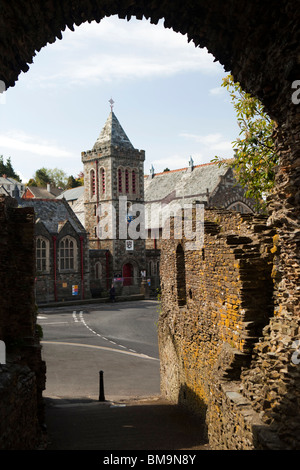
{"x":255,"y":156}
{"x":44,"y":176}
{"x":7,"y":169}
{"x":41,"y":177}
{"x":72,"y":182}
{"x":58,"y":178}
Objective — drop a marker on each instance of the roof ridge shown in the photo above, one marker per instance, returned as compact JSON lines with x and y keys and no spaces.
{"x":186,"y":168}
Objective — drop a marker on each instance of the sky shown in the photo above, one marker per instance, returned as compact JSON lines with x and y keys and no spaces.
{"x":167,"y":97}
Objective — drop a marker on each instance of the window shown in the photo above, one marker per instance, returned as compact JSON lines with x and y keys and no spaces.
{"x":133,"y":182}
{"x":102,"y":176}
{"x":98,"y":270}
{"x":92,"y":183}
{"x":180,"y":276}
{"x":42,"y":254}
{"x":127,"y":181}
{"x":120,"y":180}
{"x":67,"y":254}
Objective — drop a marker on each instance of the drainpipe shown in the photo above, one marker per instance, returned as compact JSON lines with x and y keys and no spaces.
{"x":81,"y":262}
{"x":54,"y":266}
{"x":97,"y":210}
{"x":107,"y":269}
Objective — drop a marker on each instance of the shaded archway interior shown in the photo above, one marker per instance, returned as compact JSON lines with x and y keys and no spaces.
{"x":250,"y":39}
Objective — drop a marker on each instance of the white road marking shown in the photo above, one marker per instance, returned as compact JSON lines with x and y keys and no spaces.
{"x":98,"y":334}
{"x":141,"y":356}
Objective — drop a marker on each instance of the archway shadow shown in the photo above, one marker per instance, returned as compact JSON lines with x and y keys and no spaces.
{"x":137,"y":424}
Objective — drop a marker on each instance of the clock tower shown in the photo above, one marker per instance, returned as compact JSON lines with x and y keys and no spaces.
{"x":114,"y":195}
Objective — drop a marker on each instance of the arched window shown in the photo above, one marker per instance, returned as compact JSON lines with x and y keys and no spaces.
{"x":92,"y":183}
{"x":133,"y":182}
{"x":120,"y":182}
{"x":42,"y":254}
{"x":102,"y":179}
{"x":180,"y":276}
{"x":98,"y":270}
{"x":127,"y":181}
{"x":240,"y":207}
{"x":67,"y":254}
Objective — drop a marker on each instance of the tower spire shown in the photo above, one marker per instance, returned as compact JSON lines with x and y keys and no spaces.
{"x":111,"y":101}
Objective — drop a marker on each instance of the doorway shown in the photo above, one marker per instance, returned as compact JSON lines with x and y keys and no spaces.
{"x":127,"y":274}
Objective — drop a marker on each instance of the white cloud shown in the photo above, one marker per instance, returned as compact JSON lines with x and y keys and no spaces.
{"x":20,"y":141}
{"x":217,"y":91}
{"x":116,"y":49}
{"x":210,"y":141}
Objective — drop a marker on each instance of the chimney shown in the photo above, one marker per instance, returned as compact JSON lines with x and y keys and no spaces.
{"x":48,"y":187}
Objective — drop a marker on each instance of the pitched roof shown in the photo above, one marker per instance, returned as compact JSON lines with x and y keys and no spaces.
{"x":112,"y":134}
{"x":72,"y":194}
{"x":38,"y":192}
{"x":53,"y":212}
{"x":183,"y":183}
{"x":8,"y":180}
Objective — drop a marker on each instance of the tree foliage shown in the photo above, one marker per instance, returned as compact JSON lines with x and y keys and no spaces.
{"x":7,"y":169}
{"x":56,"y":178}
{"x":255,"y":156}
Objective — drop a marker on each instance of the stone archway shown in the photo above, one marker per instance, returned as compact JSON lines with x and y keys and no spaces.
{"x":259,"y":42}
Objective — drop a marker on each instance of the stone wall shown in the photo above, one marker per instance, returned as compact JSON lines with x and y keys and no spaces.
{"x":223,"y":352}
{"x":22,"y":378}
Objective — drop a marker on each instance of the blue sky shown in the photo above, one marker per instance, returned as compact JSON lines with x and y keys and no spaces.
{"x":167,"y":93}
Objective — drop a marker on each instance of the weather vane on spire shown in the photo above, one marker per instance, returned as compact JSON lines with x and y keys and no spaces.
{"x":111,"y":101}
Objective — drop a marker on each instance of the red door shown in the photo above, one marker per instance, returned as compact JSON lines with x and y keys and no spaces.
{"x":127,"y":274}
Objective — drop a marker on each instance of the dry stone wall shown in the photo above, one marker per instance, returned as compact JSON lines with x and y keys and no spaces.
{"x":22,"y":377}
{"x":223,"y":352}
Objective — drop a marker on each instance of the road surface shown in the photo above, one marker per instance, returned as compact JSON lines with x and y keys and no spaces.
{"x":119,"y":339}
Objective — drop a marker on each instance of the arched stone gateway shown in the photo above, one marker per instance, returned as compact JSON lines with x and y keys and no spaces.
{"x":259,"y":43}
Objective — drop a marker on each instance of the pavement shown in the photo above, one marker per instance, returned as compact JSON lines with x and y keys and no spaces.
{"x":132,"y":424}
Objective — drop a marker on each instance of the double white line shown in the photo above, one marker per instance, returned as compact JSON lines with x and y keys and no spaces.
{"x":82,"y":320}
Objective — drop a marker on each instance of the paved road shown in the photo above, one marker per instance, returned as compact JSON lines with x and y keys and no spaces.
{"x":120,"y":339}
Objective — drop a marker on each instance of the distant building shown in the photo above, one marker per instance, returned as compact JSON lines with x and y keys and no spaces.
{"x":11,"y":187}
{"x":114,"y":169}
{"x":209,"y":184}
{"x":36,"y":192}
{"x":62,"y":255}
{"x":75,"y":199}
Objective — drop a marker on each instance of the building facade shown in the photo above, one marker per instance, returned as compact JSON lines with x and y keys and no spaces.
{"x":113,"y":183}
{"x":62,"y":255}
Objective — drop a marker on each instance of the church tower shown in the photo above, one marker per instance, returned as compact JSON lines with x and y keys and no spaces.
{"x":114,"y":184}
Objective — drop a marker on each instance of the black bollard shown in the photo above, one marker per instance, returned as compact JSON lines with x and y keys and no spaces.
{"x":101,"y":386}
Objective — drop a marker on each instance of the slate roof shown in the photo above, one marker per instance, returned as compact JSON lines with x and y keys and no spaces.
{"x":9,"y":180}
{"x":40,"y":193}
{"x":183,"y":183}
{"x":72,"y":194}
{"x":52,"y":213}
{"x":112,"y":134}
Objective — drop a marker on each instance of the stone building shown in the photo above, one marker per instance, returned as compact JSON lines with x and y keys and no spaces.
{"x":34,"y":192}
{"x":11,"y":187}
{"x":113,"y":182}
{"x":169,"y":192}
{"x":113,"y":178}
{"x":217,"y":306}
{"x":240,"y":35}
{"x":61,"y":244}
